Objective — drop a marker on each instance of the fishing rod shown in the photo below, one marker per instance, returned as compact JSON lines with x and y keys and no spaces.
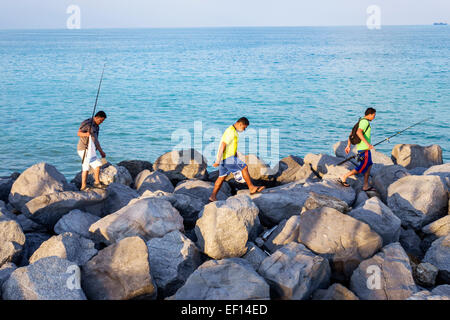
{"x":386,"y":139}
{"x":93,"y":113}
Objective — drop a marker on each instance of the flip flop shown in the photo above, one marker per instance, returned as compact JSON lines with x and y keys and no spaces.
{"x":345,"y":184}
{"x":258,"y":190}
{"x":370,"y":189}
{"x":209,"y":201}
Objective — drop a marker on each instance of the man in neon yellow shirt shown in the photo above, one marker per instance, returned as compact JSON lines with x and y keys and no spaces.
{"x":364,"y":151}
{"x":227,"y":159}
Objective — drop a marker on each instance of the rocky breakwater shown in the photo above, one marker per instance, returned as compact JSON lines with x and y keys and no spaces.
{"x":153,"y":234}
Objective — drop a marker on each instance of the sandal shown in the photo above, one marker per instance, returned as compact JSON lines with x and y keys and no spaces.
{"x":370,"y":189}
{"x":345,"y":184}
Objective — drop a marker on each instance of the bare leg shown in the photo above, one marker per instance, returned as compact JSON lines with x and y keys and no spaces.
{"x":348,"y":174}
{"x":97,"y":175}
{"x":366,"y":179}
{"x":84,"y":175}
{"x":250,"y":185}
{"x":217,"y":187}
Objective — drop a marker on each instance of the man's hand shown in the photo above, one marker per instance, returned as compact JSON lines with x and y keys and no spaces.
{"x":371,"y":147}
{"x":216,"y":164}
{"x":347,"y":149}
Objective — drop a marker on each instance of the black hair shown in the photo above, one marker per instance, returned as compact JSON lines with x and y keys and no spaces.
{"x":370,"y":111}
{"x":244,"y":121}
{"x":101,"y":114}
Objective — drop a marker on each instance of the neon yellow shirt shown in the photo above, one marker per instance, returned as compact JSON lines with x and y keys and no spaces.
{"x":363,"y":124}
{"x":231,"y":138}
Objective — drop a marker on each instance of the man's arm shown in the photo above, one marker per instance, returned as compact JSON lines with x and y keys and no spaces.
{"x":222,"y":147}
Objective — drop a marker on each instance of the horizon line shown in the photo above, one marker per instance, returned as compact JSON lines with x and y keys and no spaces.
{"x":214,"y":27}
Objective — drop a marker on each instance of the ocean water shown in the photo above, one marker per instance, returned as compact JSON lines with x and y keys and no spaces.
{"x":302,"y":88}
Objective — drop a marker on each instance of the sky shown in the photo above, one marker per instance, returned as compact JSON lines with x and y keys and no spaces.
{"x":51,"y":14}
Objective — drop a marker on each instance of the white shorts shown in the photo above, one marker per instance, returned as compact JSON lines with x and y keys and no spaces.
{"x":93,"y":162}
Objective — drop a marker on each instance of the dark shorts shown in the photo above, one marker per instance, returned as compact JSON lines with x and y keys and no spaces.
{"x":365,"y":157}
{"x":231,"y":165}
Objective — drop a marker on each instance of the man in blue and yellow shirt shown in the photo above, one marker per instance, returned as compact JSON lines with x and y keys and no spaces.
{"x":227,"y":159}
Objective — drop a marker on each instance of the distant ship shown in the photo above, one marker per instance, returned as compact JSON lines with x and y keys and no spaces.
{"x":440,"y":24}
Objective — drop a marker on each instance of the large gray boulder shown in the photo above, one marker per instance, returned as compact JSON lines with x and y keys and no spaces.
{"x":119,"y":272}
{"x":188,"y":206}
{"x":12,"y":240}
{"x":224,"y":227}
{"x":134,"y":167}
{"x":386,"y":276}
{"x":386,"y":176}
{"x":411,"y":242}
{"x":202,"y":190}
{"x":286,"y":232}
{"x":380,"y":219}
{"x":48,"y":209}
{"x":439,"y":256}
{"x":418,"y":200}
{"x":348,"y":241}
{"x":180,"y":165}
{"x":412,"y":155}
{"x":147,"y":218}
{"x":50,"y":278}
{"x":153,"y":181}
{"x":173,"y":258}
{"x":316,"y":201}
{"x":438,"y":228}
{"x":335,"y":292}
{"x":32,"y":243}
{"x":67,"y":246}
{"x":40,"y":179}
{"x":28,"y":225}
{"x":6,"y":185}
{"x":321,"y":162}
{"x":226,"y":279}
{"x":77,"y":222}
{"x":109,"y":173}
{"x":294,"y":272}
{"x":257,"y":168}
{"x":254,"y":255}
{"x":292,"y":169}
{"x":443,"y":171}
{"x":5,"y":272}
{"x":119,"y":195}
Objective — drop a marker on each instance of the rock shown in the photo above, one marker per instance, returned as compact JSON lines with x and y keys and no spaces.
{"x":153,"y":181}
{"x":109,"y":174}
{"x":386,"y":276}
{"x":224,"y":227}
{"x":443,"y":171}
{"x":335,"y":292}
{"x":182,"y":164}
{"x":439,"y":256}
{"x":412,"y":155}
{"x":361,"y":199}
{"x":119,"y":272}
{"x":410,"y":242}
{"x":332,"y":189}
{"x":286,"y":232}
{"x":77,"y":222}
{"x":6,"y":185}
{"x":438,"y":228}
{"x":32,"y":243}
{"x":380,"y":219}
{"x":173,"y":258}
{"x":348,"y":241}
{"x":12,"y":241}
{"x":426,"y":295}
{"x":5,"y":273}
{"x":417,"y":171}
{"x":50,"y":278}
{"x":28,"y":225}
{"x":226,"y":279}
{"x":321,"y":162}
{"x":202,"y":190}
{"x":40,"y":179}
{"x":48,"y":209}
{"x":386,"y":176}
{"x":258,"y":169}
{"x":425,"y":274}
{"x":442,"y":290}
{"x":418,"y":200}
{"x":119,"y":195}
{"x":67,"y":246}
{"x":147,"y":218}
{"x":254,"y":255}
{"x":294,"y":272}
{"x":5,"y":213}
{"x":187,"y":206}
{"x":317,"y":201}
{"x":134,"y":167}
{"x":292,"y":169}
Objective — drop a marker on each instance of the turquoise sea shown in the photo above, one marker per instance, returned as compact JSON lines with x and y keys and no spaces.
{"x":309,"y":83}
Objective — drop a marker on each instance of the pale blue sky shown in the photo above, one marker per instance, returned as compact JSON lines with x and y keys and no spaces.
{"x":30,"y":14}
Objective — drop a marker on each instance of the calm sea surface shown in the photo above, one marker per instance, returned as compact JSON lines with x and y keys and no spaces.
{"x":302,"y":88}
